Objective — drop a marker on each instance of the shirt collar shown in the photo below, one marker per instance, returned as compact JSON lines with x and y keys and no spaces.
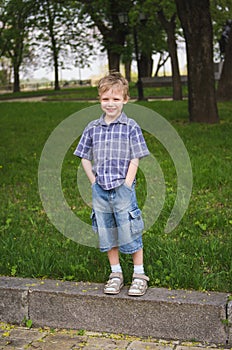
{"x":122,"y":119}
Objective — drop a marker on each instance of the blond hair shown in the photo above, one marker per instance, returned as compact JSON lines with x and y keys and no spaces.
{"x":113,"y":80}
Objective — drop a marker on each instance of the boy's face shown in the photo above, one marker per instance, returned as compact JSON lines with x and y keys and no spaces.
{"x":112,"y":102}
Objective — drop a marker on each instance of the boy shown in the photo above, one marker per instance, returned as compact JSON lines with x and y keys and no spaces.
{"x":114,"y":143}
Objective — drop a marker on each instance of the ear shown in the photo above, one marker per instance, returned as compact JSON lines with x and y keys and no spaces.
{"x":126,"y":100}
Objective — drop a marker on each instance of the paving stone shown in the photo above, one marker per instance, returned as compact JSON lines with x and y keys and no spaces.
{"x":59,"y":342}
{"x":3,"y":343}
{"x":180,"y":347}
{"x":19,"y":338}
{"x":142,"y":345}
{"x":167,"y":342}
{"x":194,"y":344}
{"x":104,"y":343}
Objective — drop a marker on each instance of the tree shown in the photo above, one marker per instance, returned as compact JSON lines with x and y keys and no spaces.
{"x":224,"y":92}
{"x":170,"y":27}
{"x":5,"y":72}
{"x":151,"y":37}
{"x":165,"y":12}
{"x":104,"y":14}
{"x":222,"y":16}
{"x":162,"y":60}
{"x":126,"y":57}
{"x":197,"y":26}
{"x":63,"y":30}
{"x":15,"y":34}
{"x":146,"y":47}
{"x":2,"y":27}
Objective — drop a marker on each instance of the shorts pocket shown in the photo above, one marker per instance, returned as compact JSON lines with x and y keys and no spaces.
{"x":130,"y":188}
{"x":136,"y":221}
{"x":94,"y":221}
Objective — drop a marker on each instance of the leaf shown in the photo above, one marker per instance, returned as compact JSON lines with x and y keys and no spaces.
{"x":29,"y":323}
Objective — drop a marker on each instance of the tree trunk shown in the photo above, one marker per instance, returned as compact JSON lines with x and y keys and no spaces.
{"x":146,"y":64}
{"x":176,"y":79}
{"x":113,"y":60}
{"x":161,"y":63}
{"x":224,"y":92}
{"x":17,"y":60}
{"x":114,"y":34}
{"x":114,"y":42}
{"x":128,"y":70}
{"x":16,"y":84}
{"x":55,"y":51}
{"x":56,"y":71}
{"x":170,"y":27}
{"x":196,"y":22}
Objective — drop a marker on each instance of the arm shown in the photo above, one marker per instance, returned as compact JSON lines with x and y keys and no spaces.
{"x":87,"y":165}
{"x":132,"y":170}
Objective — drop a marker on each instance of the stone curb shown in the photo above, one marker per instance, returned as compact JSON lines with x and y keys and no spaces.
{"x":161,"y":313}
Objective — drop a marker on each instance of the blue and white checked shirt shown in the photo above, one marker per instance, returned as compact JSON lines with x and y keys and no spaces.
{"x":111,"y":148}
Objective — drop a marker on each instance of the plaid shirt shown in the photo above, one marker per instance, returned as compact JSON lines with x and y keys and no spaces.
{"x":111,"y":148}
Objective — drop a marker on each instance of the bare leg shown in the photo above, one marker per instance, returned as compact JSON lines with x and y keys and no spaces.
{"x":138,"y":257}
{"x":113,"y":256}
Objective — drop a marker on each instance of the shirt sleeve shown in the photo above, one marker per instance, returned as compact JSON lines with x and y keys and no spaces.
{"x":138,"y":146}
{"x":84,"y":147}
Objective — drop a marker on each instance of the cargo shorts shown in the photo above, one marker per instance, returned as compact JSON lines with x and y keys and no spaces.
{"x":117,"y":219}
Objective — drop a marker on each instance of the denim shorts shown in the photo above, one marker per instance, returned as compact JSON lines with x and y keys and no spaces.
{"x":117,"y":219}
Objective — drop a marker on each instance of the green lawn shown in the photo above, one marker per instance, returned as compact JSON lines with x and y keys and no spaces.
{"x":196,"y":255}
{"x":88,"y":92}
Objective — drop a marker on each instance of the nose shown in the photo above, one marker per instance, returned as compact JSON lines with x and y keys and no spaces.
{"x":111,"y":102}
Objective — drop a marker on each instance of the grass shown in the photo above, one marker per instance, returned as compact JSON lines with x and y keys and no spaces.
{"x":87,"y":92}
{"x":196,"y":255}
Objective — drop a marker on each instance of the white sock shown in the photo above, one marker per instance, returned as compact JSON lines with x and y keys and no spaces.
{"x":139,"y":269}
{"x":116,"y":268}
